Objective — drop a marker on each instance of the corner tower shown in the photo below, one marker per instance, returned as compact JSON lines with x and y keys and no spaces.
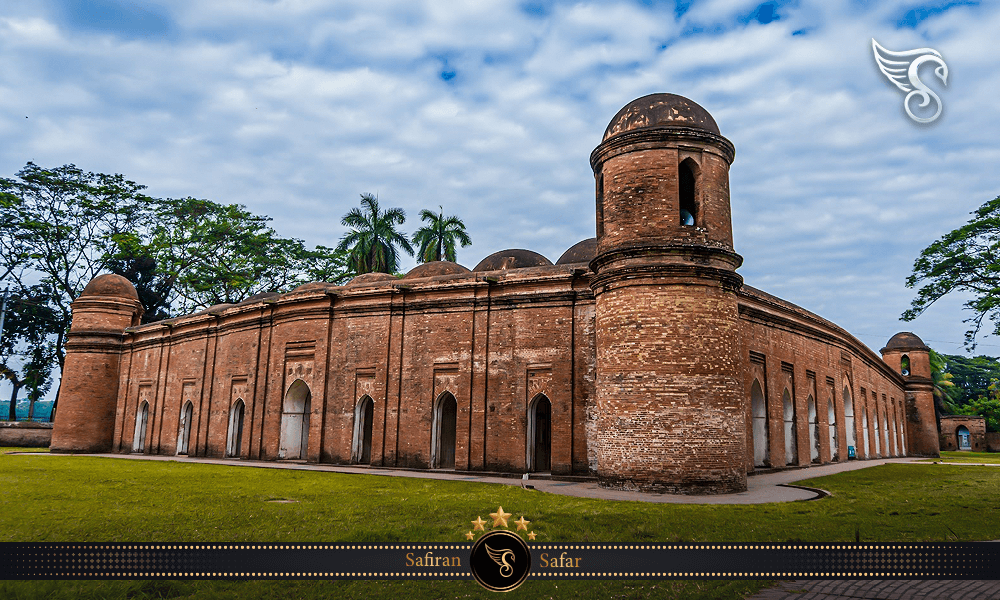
{"x":911,"y":358}
{"x":669,"y":394}
{"x":88,"y":395}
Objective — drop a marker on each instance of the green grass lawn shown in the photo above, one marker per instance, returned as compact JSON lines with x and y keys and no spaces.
{"x":988,"y":458}
{"x":59,"y":498}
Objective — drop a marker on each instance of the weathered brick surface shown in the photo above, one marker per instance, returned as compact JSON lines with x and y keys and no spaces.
{"x":976,"y":426}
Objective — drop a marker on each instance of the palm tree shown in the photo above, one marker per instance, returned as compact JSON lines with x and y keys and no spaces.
{"x":437,"y":238}
{"x":373,"y":238}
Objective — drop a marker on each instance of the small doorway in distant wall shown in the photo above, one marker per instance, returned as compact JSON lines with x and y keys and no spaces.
{"x":184,"y":430}
{"x":234,"y":441}
{"x":540,"y":434}
{"x":361,"y":448}
{"x":443,"y":431}
{"x":139,"y":437}
{"x":294,"y":441}
{"x":963,"y":438}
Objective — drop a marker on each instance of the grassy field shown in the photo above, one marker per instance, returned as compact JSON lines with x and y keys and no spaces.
{"x":58,"y":498}
{"x":986,"y":458}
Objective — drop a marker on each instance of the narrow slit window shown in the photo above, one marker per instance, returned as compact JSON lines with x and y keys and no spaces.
{"x":687,"y":184}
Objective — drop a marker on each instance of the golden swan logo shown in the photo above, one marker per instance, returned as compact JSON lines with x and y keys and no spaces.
{"x":500,"y":557}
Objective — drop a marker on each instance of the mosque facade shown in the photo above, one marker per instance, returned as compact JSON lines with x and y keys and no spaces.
{"x":639,"y":357}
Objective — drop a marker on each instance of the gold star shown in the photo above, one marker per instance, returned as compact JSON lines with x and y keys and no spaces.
{"x":531,"y":535}
{"x":522,"y":523}
{"x":477,"y":525}
{"x":469,"y":535}
{"x":500,"y":517}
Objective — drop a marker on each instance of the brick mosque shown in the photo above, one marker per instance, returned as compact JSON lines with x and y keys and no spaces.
{"x":639,"y":357}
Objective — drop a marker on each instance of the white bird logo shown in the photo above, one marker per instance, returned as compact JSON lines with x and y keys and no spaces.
{"x":901,"y":68}
{"x":500,"y":558}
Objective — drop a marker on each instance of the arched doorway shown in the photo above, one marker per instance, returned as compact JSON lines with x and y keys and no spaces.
{"x":234,"y":439}
{"x":885,"y":433}
{"x":878,"y":434}
{"x":139,"y":436}
{"x":791,"y":442}
{"x":864,"y":431}
{"x":184,"y":430}
{"x":758,"y":408}
{"x":813,"y":430}
{"x":963,"y":438}
{"x":852,"y":435}
{"x":443,"y":430}
{"x":361,"y":447}
{"x":831,"y":419}
{"x":295,"y":421}
{"x":540,"y":434}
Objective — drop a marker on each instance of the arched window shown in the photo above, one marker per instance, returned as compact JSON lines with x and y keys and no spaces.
{"x":878,"y":432}
{"x":904,"y":365}
{"x":885,"y":431}
{"x":540,"y":434}
{"x":864,"y":429}
{"x":687,"y":183}
{"x":758,"y":408}
{"x":295,"y":411}
{"x":443,"y":431}
{"x":184,"y":429}
{"x":139,"y":436}
{"x":791,"y":441}
{"x":963,"y":438}
{"x":813,"y":430}
{"x":234,"y":439}
{"x":831,"y":419}
{"x":361,"y":448}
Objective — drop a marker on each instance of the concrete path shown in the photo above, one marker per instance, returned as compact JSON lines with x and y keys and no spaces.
{"x":882,"y":589}
{"x":775,"y":486}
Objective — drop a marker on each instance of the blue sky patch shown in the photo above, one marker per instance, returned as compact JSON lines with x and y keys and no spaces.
{"x":919,"y":14}
{"x":127,"y":20}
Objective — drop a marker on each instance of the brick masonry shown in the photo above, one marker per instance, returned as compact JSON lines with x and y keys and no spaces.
{"x":646,"y":357}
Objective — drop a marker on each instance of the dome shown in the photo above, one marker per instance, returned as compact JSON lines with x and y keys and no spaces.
{"x":581,"y":252}
{"x":370,"y":279}
{"x":512,"y":259}
{"x":312,"y":285}
{"x":259,"y":297}
{"x":660,"y":110}
{"x":111,"y":285}
{"x":435,"y":268}
{"x":904,"y":341}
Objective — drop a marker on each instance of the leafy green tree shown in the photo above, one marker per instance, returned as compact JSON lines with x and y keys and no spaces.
{"x":437,"y":239}
{"x":972,"y":376}
{"x":987,"y":406}
{"x":964,"y":260}
{"x":944,"y":388}
{"x":373,"y":239}
{"x":59,"y":228}
{"x":29,"y":344}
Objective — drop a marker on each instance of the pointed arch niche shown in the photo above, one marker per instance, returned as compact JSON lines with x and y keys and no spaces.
{"x":791,"y":439}
{"x":295,"y":421}
{"x":539,"y":434}
{"x":758,"y":409}
{"x":687,"y":179}
{"x":443,"y":430}
{"x":361,"y":446}
{"x":141,"y":420}
{"x":184,"y":428}
{"x":234,"y":438}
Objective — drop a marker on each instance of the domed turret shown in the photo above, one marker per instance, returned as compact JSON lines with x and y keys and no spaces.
{"x":665,"y":281}
{"x":436,"y":268}
{"x":513,"y":258}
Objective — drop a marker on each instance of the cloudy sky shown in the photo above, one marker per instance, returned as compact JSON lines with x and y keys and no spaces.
{"x":491,"y":109}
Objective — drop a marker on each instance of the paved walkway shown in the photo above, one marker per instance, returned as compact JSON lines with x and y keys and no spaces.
{"x":763,"y":488}
{"x":882,"y":589}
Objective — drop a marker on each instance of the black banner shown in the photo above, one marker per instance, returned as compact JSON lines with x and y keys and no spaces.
{"x":973,"y":560}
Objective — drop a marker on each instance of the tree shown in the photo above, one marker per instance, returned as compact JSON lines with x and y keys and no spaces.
{"x":987,"y":406}
{"x":972,"y":376}
{"x":944,"y":389}
{"x":59,"y":228}
{"x":964,"y":260}
{"x":437,"y":239}
{"x":373,"y":238}
{"x":32,"y":330}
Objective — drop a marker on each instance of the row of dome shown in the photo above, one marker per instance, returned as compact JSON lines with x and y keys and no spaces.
{"x":582,"y":252}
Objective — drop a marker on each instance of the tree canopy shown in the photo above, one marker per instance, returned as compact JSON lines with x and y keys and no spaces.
{"x":372,"y":242}
{"x":61,"y":227}
{"x":964,"y":260}
{"x":437,"y":239}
